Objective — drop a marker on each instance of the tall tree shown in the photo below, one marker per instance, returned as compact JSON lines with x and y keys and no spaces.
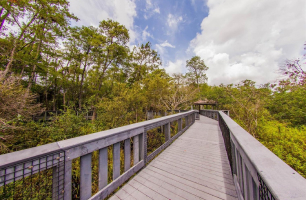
{"x":197,"y":69}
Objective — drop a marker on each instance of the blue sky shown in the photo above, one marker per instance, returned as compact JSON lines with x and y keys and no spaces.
{"x":237,"y":39}
{"x":170,"y":25}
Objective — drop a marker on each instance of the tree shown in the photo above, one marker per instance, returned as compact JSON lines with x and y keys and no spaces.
{"x":197,"y":69}
{"x":37,"y":25}
{"x":143,"y":60}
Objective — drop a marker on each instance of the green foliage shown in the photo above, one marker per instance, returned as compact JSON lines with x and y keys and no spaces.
{"x":288,"y":105}
{"x":288,"y":143}
{"x":197,"y":69}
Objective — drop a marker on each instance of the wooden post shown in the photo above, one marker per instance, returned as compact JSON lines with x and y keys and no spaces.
{"x":85,"y":177}
{"x":186,"y":121}
{"x":116,"y":160}
{"x":141,"y":147}
{"x":103,"y":167}
{"x":179,"y":125}
{"x":68,"y":177}
{"x":55,"y":177}
{"x":136,"y":149}
{"x":167,"y":132}
{"x":127,"y":154}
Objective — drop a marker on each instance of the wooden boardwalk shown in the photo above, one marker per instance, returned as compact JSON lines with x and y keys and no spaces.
{"x":195,"y":166}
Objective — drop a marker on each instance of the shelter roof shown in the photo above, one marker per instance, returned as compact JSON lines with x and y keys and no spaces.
{"x":205,"y":102}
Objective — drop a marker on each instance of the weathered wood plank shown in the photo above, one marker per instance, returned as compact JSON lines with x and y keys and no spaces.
{"x":85,"y":177}
{"x":179,"y":125}
{"x":184,"y":165}
{"x":140,"y":186}
{"x":167,"y":131}
{"x":116,"y":183}
{"x":170,"y":187}
{"x":162,"y":190}
{"x":68,"y":177}
{"x":103,"y":167}
{"x":223,"y":183}
{"x":127,"y":154}
{"x":191,"y":186}
{"x":196,"y":183}
{"x":122,"y":194}
{"x":116,"y":160}
{"x":271,"y":168}
{"x":194,"y":166}
{"x":136,"y":149}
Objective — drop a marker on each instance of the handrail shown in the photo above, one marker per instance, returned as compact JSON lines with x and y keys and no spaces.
{"x":258,"y":173}
{"x":58,"y":156}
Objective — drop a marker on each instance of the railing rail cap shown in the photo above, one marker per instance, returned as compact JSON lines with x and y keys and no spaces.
{"x":31,"y":153}
{"x":18,"y":156}
{"x":283,"y":181}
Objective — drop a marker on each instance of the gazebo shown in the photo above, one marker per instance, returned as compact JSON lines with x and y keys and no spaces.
{"x":205,"y":102}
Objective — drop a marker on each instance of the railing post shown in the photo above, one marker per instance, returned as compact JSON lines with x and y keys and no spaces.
{"x":167,"y":131}
{"x":141,"y":147}
{"x":103,"y":167}
{"x":55,"y":191}
{"x":127,"y":154}
{"x":136,"y":149}
{"x":179,"y":124}
{"x":116,"y":160}
{"x":85,"y":177}
{"x":186,"y":121}
{"x":68,"y":177}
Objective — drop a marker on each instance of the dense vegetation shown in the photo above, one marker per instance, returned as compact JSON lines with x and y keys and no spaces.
{"x":47,"y":65}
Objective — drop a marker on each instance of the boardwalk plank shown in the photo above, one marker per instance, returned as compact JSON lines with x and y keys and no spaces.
{"x":196,"y":183}
{"x":195,"y":166}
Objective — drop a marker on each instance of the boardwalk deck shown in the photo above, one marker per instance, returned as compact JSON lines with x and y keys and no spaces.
{"x":195,"y":166}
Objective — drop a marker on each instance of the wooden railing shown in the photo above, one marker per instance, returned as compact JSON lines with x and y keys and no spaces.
{"x":257,"y":172}
{"x":30,"y":164}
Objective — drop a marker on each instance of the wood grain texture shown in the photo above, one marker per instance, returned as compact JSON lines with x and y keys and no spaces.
{"x":195,"y":166}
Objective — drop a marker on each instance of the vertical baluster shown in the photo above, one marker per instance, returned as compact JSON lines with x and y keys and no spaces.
{"x":255,"y":190}
{"x":103,"y":168}
{"x":250,"y":186}
{"x":85,"y":177}
{"x":179,"y":124}
{"x":141,"y":146}
{"x":55,"y":191}
{"x":241,"y":174}
{"x":116,"y":160}
{"x":186,"y":121}
{"x":167,"y":131}
{"x":245,"y":181}
{"x":127,"y":154}
{"x":234,"y":166}
{"x":238,"y":168}
{"x":136,"y":149}
{"x":68,"y":176}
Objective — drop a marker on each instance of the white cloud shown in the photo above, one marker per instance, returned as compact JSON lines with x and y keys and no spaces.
{"x":161,"y":48}
{"x":91,"y":12}
{"x":145,"y":34}
{"x":167,"y":44}
{"x":249,"y":39}
{"x":151,"y":9}
{"x":173,"y":23}
{"x":156,"y":10}
{"x":175,"y":67}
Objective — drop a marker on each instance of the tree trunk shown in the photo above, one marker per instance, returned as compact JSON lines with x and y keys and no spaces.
{"x":64,"y":100}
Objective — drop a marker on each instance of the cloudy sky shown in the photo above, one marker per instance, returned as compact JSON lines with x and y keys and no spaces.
{"x":238,"y":39}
